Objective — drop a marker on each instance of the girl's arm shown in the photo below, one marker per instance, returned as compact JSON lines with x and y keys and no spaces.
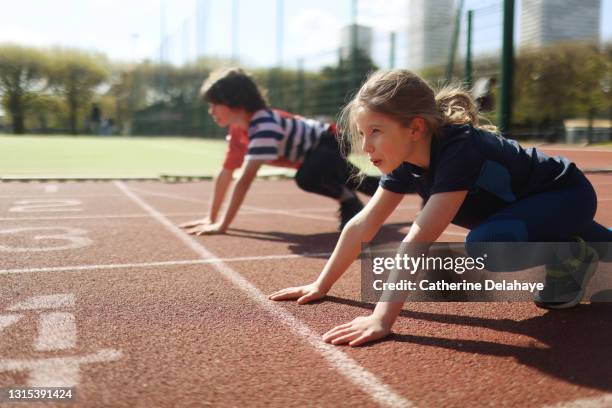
{"x":222,"y":182}
{"x":240,"y":189}
{"x":361,"y":228}
{"x":429,"y":225}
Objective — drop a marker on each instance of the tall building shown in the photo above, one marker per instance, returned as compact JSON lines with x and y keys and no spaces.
{"x":430,"y":30}
{"x":546,"y":22}
{"x":364,"y":40}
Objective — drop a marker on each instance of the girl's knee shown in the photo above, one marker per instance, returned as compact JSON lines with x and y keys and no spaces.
{"x":499,"y":231}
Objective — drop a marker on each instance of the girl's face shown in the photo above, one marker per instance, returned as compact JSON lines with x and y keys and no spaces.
{"x":387,"y":143}
{"x":221,"y":114}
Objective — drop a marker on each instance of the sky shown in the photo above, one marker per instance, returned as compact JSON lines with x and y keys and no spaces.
{"x":130,"y":30}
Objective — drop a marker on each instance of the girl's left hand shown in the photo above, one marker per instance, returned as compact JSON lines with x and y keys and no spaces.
{"x":208,"y":229}
{"x":362,"y":330}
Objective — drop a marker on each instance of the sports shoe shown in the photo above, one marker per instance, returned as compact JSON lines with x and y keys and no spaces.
{"x":348,"y":209}
{"x":565,"y":283}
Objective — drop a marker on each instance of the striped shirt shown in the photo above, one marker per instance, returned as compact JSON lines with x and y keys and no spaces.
{"x":277,"y":135}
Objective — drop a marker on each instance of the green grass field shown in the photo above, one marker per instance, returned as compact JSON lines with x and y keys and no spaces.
{"x":86,"y":156}
{"x":116,"y":157}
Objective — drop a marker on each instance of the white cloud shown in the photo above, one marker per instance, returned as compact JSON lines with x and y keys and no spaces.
{"x":313,"y":32}
{"x":20,"y":35}
{"x":389,"y":15}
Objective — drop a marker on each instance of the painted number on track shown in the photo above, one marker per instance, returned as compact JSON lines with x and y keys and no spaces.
{"x":55,"y":238}
{"x":55,"y":205}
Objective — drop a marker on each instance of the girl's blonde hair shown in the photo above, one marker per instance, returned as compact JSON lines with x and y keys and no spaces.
{"x":403,"y":96}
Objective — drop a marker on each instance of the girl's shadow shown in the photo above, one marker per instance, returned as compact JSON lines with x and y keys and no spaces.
{"x":579,"y":340}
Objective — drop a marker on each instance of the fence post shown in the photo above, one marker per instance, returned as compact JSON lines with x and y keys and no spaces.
{"x":392,"y":50}
{"x":507,"y":65}
{"x":468,"y":54}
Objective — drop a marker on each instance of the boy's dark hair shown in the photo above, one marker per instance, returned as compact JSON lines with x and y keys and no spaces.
{"x":234,"y":88}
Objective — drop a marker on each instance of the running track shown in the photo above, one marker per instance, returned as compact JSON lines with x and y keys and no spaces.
{"x":99,"y":290}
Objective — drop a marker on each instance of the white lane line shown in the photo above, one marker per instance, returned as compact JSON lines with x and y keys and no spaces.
{"x":8,"y":320}
{"x":349,"y":368}
{"x":573,"y":149}
{"x":292,"y":210}
{"x":56,"y":331}
{"x":96,"y":217}
{"x":51,"y":188}
{"x":67,"y":194}
{"x":289,"y":213}
{"x":173,"y":196}
{"x":604,"y":401}
{"x":456,"y":233}
{"x":78,"y":268}
{"x":45,"y":302}
{"x":57,"y":372}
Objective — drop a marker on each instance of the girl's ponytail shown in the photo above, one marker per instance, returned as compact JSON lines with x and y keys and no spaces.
{"x":459,"y":108}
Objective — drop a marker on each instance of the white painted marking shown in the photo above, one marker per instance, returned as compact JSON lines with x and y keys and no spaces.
{"x":573,"y":149}
{"x":8,"y":320}
{"x":57,"y":372}
{"x":72,"y":195}
{"x":56,"y":331}
{"x":97,"y":217}
{"x":64,"y":300}
{"x":345,"y":365}
{"x":289,"y":213}
{"x":55,"y":205}
{"x":173,"y":196}
{"x":51,"y":188}
{"x":291,"y":210}
{"x":604,"y":401}
{"x":78,"y":268}
{"x":73,"y":235}
{"x":456,"y":233}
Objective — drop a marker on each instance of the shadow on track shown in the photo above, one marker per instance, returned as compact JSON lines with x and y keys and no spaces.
{"x":303,"y":244}
{"x":578,"y":340}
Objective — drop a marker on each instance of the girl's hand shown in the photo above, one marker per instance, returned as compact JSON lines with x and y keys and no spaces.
{"x":362,"y":330}
{"x":195,"y":223}
{"x":303,"y":294}
{"x":208,"y":229}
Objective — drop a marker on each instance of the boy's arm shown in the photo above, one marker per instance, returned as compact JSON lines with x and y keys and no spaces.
{"x":429,"y":225}
{"x":222,"y":182}
{"x":361,"y":228}
{"x":240,"y":189}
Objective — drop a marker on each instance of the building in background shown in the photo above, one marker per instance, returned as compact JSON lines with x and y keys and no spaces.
{"x":545,"y":22}
{"x":430,"y":31}
{"x":364,"y":40}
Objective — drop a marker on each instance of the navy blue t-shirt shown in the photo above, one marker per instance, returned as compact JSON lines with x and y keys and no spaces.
{"x":495,"y":171}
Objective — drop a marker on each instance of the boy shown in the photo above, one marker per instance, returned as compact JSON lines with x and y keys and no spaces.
{"x":262,"y":135}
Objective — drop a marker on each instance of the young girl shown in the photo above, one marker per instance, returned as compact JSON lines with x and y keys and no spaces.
{"x":467,"y":175}
{"x":266,"y":136}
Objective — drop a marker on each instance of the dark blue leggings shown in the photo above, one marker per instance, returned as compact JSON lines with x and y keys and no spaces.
{"x":556,"y":215}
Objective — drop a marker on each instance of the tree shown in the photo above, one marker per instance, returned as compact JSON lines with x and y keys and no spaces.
{"x":75,"y":75}
{"x":559,"y":82}
{"x":22,"y":76}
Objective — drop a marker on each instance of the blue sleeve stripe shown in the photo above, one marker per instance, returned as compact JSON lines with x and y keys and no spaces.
{"x":267,"y":134}
{"x":290,"y":139}
{"x":255,"y":151}
{"x":258,"y":121}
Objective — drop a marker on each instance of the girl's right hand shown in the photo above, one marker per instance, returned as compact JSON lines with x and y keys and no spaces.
{"x":196,"y":223}
{"x":303,"y":294}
